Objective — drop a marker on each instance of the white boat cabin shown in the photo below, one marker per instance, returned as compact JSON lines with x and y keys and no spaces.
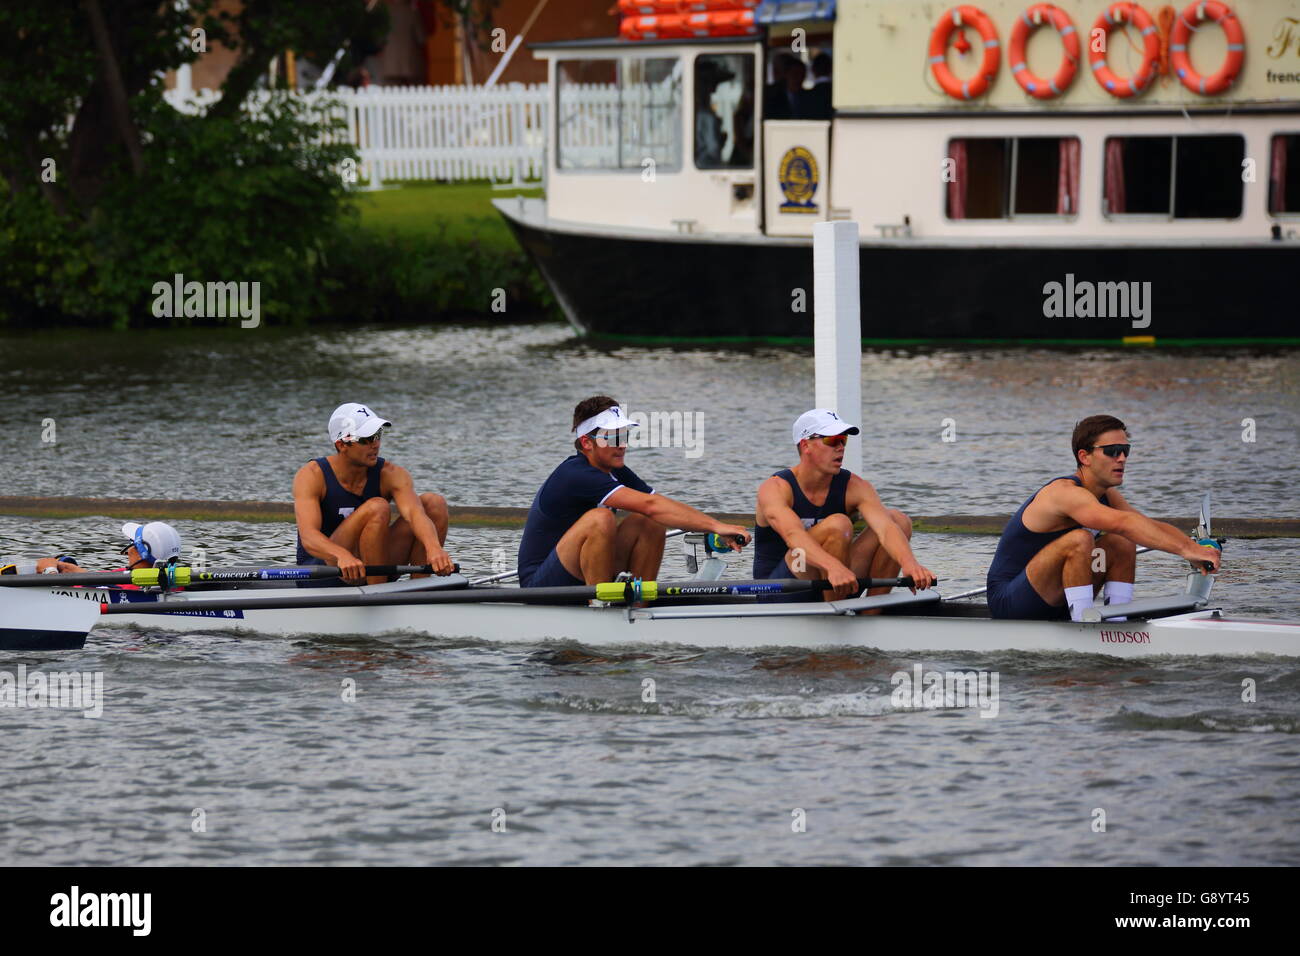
{"x":994,"y":128}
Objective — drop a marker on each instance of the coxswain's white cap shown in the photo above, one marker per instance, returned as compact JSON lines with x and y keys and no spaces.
{"x":821,"y":421}
{"x":156,"y":541}
{"x":610,"y":418}
{"x":351,"y":421}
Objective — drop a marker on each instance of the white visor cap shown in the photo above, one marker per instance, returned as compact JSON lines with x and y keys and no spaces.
{"x":156,"y":541}
{"x":610,"y":418}
{"x":821,"y":421}
{"x":352,"y":420}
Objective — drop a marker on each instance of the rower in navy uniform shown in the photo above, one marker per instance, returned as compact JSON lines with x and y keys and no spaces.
{"x":1049,"y":561}
{"x":341,"y":504}
{"x":805,"y":524}
{"x":573,"y":536}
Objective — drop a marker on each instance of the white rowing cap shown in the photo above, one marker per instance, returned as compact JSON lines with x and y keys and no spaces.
{"x":821,"y":421}
{"x":352,"y":420}
{"x":157,"y":541}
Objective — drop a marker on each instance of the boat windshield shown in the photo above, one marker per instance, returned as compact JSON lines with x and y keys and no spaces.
{"x":619,"y":113}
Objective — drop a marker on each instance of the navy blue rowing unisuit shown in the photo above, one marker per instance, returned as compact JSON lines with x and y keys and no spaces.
{"x":573,"y":489}
{"x":770,"y":547}
{"x":338,"y":503}
{"x":1010,"y":595}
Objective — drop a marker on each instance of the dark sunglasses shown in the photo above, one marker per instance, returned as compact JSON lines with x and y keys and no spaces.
{"x":1114,"y":451}
{"x":371,"y":440}
{"x":834,"y":441}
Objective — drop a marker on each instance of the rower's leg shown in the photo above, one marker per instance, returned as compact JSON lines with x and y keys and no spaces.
{"x":1119,"y":571}
{"x":1063,"y":563}
{"x":587,"y":548}
{"x":403,"y":546}
{"x":869,"y":560}
{"x":365,"y":534}
{"x":832,"y":534}
{"x":639,"y":546}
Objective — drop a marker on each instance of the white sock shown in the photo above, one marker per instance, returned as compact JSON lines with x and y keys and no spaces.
{"x":1118,"y":592}
{"x":1080,"y":599}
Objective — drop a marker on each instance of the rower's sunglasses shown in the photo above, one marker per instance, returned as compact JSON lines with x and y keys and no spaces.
{"x":610,"y":437}
{"x":834,"y":441}
{"x":370,"y":440}
{"x":1114,"y":451}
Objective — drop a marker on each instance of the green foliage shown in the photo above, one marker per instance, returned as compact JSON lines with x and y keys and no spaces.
{"x":376,"y":277}
{"x":251,"y":197}
{"x":141,"y":192}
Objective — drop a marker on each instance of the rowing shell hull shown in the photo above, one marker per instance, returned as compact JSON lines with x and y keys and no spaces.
{"x":1200,"y":633}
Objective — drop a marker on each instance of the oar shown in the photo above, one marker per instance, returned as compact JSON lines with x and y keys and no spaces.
{"x":179,"y":576}
{"x":614,"y":591}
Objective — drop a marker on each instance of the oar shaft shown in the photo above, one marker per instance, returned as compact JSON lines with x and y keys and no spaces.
{"x":181,"y":576}
{"x":612,"y":591}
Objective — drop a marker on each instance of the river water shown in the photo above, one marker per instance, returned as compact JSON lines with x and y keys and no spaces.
{"x":242,"y":750}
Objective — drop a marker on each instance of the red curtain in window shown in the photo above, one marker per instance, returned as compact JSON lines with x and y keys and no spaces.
{"x":1277,"y":172}
{"x":1067,"y":178}
{"x":1115,"y":199}
{"x":957,"y":188}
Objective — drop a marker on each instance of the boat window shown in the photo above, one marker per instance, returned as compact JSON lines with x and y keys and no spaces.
{"x":1182,"y":177}
{"x":1000,"y":178}
{"x":1284,"y":175}
{"x":587,"y":134}
{"x":618,"y":113}
{"x":651,"y":91}
{"x":724,"y":111}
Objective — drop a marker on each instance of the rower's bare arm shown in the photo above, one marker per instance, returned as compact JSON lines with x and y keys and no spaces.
{"x":1082,"y":507}
{"x":873,"y":511}
{"x":775,"y":503}
{"x":395,"y":483}
{"x":674,"y":514}
{"x":308,"y":489}
{"x":1118,"y":501}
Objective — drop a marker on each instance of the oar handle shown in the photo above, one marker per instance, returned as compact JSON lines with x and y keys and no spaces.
{"x":715,"y":543}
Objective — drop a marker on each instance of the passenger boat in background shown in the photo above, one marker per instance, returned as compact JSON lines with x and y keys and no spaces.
{"x":1013,"y":183}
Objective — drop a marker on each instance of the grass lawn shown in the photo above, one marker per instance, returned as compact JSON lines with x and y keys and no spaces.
{"x":425,"y":209}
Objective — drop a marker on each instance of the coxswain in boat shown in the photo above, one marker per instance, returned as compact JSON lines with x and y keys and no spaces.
{"x":341,"y":504}
{"x":572,"y":535}
{"x":148,"y":545}
{"x":805,"y":524}
{"x":1078,"y":533}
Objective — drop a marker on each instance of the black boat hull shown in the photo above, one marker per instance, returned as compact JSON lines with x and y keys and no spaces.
{"x":912,"y":291}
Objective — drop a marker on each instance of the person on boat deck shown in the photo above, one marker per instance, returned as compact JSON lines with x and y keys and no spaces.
{"x":1049,"y":561}
{"x":572,"y":536}
{"x":805,"y":523}
{"x":341,"y":504}
{"x":149,"y":545}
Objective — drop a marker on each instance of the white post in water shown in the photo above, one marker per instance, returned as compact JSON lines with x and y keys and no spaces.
{"x":837,"y":328}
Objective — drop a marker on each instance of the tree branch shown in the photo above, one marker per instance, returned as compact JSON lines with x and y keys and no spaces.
{"x":113,"y":85}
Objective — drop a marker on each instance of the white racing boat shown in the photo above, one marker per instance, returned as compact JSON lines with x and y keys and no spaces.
{"x":704,"y":612}
{"x":1182,"y":624}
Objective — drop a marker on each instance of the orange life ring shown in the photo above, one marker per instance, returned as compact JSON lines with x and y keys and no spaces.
{"x":1221,"y":14}
{"x":1029,"y":21}
{"x":952,"y":20}
{"x":1115,"y":15}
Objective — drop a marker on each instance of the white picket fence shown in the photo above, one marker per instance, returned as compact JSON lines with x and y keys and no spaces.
{"x":431,"y":132}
